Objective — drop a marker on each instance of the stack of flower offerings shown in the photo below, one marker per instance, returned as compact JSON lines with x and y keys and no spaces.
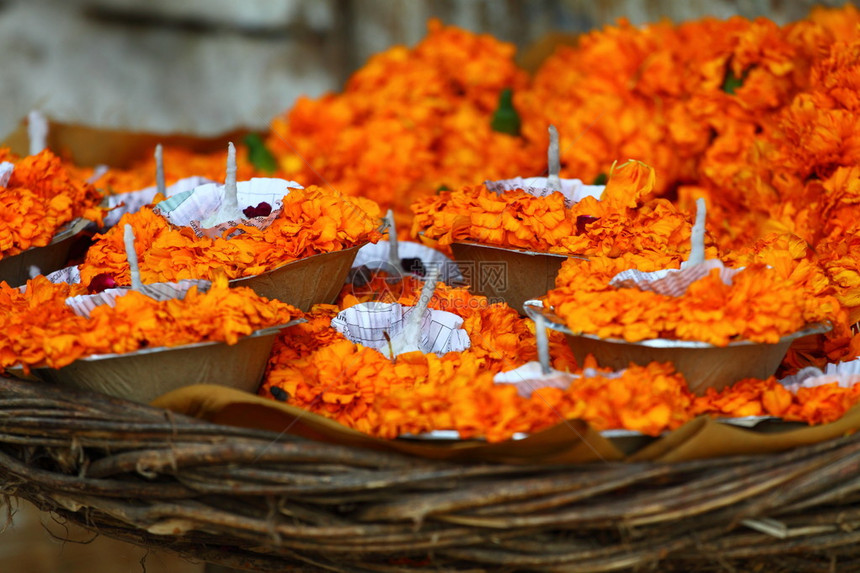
{"x":701,"y":195}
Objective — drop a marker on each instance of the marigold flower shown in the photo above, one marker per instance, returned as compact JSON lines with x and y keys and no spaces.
{"x":758,"y":306}
{"x":135,"y":322}
{"x":41,"y":196}
{"x":311,"y":221}
{"x":623,"y":221}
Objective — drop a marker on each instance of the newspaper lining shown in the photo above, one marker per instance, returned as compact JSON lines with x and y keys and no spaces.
{"x":83,"y":305}
{"x":133,"y":201}
{"x":573,"y":190}
{"x":369,"y":323}
{"x":672,"y":282}
{"x":189,"y":208}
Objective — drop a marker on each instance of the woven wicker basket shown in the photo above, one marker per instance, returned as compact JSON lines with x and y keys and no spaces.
{"x":272,"y":502}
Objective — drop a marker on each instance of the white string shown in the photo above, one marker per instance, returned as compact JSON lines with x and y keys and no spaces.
{"x":131,"y":255}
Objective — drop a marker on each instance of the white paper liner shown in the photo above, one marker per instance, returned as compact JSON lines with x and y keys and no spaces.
{"x":573,"y":190}
{"x":83,"y":305}
{"x":6,"y":170}
{"x":672,"y":282}
{"x":188,"y":209}
{"x":68,"y":275}
{"x":846,"y":374}
{"x":133,"y":201}
{"x":368,"y":323}
{"x":530,"y":377}
{"x":375,"y":257}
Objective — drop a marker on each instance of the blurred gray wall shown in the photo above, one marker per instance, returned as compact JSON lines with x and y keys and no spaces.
{"x":207,"y":66}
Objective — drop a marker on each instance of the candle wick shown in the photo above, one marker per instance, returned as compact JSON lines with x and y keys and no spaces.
{"x":427,"y":293}
{"x":37,"y":132}
{"x":393,"y":245}
{"x":231,"y":198}
{"x":542,"y":344}
{"x":553,"y":182}
{"x":408,"y":339}
{"x":131,"y":255}
{"x":159,"y":170}
{"x":697,"y":234}
{"x":391,"y":354}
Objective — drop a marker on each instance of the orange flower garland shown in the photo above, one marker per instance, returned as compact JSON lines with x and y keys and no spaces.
{"x":40,"y":197}
{"x":136,"y":322}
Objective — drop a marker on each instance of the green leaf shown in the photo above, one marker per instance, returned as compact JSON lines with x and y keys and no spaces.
{"x":601,"y":179}
{"x":259,"y":155}
{"x":506,"y":119}
{"x":733,"y":82}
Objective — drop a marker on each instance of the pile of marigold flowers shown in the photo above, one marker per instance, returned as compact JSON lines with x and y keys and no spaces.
{"x":757,"y":306}
{"x":311,"y":221}
{"x":436,"y":101}
{"x":624,"y":220}
{"x":750,"y":397}
{"x":41,"y":196}
{"x":321,"y":371}
{"x":40,"y":329}
{"x":758,"y":119}
{"x":317,"y":369}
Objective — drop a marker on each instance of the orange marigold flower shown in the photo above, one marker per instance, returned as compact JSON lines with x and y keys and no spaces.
{"x":135,"y":322}
{"x":758,"y":306}
{"x":816,"y":405}
{"x":41,"y":196}
{"x":623,"y":221}
{"x":312,"y":221}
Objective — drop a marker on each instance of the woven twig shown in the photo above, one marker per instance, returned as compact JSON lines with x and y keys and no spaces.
{"x":265,"y":502}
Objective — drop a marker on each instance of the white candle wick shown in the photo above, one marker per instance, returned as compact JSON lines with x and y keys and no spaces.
{"x":231,"y":199}
{"x":159,"y":170}
{"x":393,"y":246}
{"x":37,"y":132}
{"x":697,"y":234}
{"x":542,"y":341}
{"x":427,"y":293}
{"x":553,"y":182}
{"x":131,"y":255}
{"x":408,"y":339}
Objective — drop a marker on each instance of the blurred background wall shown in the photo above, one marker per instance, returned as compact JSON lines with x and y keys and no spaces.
{"x":207,"y":66}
